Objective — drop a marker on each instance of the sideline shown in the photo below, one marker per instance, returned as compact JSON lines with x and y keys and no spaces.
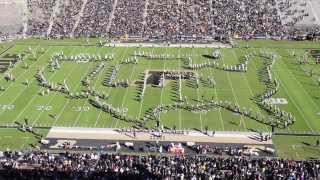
{"x":183,"y":45}
{"x":184,"y":136}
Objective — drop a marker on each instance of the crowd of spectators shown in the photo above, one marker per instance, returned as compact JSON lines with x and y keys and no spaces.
{"x":95,"y":18}
{"x":128,"y":18}
{"x":66,"y":18}
{"x":39,"y":14}
{"x":36,"y":164}
{"x":163,"y":19}
{"x":166,"y":19}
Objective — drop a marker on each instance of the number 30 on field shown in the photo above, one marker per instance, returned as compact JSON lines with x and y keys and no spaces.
{"x":81,"y":108}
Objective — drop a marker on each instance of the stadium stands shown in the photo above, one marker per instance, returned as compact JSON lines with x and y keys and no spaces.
{"x":36,"y":164}
{"x":164,"y":19}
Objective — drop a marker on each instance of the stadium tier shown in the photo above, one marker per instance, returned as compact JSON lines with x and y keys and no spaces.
{"x":165,"y":19}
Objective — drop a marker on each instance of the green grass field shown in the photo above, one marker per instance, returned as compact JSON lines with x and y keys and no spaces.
{"x":296,"y":86}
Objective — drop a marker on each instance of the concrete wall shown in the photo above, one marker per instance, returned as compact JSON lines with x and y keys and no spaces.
{"x":11,"y":15}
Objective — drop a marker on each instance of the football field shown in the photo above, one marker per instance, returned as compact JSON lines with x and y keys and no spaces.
{"x":220,"y":95}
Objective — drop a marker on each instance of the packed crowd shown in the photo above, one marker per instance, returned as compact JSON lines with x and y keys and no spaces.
{"x":95,"y":18}
{"x":66,"y":18}
{"x":163,"y":19}
{"x":99,"y":166}
{"x":128,"y":18}
{"x":39,"y":16}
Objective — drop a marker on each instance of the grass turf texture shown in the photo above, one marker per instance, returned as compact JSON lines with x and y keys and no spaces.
{"x":13,"y":139}
{"x":296,"y":85}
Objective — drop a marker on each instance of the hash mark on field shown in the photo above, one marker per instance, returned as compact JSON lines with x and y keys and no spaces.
{"x":57,"y":118}
{"x":23,"y":89}
{"x":68,"y":101}
{"x":27,"y":70}
{"x":95,"y":84}
{"x":32,"y":99}
{"x":52,"y":98}
{"x":79,"y":115}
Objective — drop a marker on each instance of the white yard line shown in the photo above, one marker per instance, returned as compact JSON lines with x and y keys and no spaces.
{"x":287,"y":92}
{"x":234,"y":96}
{"x":53,"y":97}
{"x":162,"y":89}
{"x":95,"y":85}
{"x":141,"y":103}
{"x":299,"y":84}
{"x":32,"y":99}
{"x":294,"y":148}
{"x":79,"y":85}
{"x":97,"y":120}
{"x":198,"y":98}
{"x":29,"y":102}
{"x":180,"y":120}
{"x":296,"y":106}
{"x":161,"y":95}
{"x":109,"y":88}
{"x":126,"y":93}
{"x":22,"y":75}
{"x":18,"y":95}
{"x":216,"y":96}
{"x":123,"y":54}
{"x":250,"y":90}
{"x":200,"y":112}
{"x":67,"y":103}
